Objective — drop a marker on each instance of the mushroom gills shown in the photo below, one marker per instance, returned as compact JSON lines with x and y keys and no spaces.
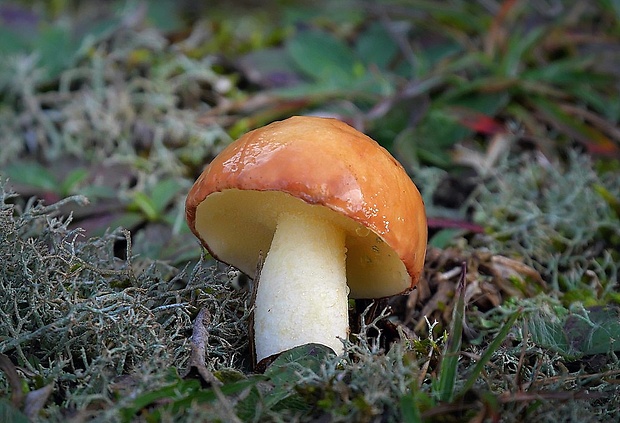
{"x":302,"y":294}
{"x":238,"y":225}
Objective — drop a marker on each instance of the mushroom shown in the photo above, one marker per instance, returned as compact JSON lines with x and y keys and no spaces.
{"x":335,"y":214}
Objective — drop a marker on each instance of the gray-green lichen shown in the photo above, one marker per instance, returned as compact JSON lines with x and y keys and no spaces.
{"x":556,"y":217}
{"x":74,"y":314}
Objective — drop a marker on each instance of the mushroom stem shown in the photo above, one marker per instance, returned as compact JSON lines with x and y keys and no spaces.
{"x":302,"y":293}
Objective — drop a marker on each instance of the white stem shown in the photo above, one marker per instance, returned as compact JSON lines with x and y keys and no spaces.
{"x":302,"y":292}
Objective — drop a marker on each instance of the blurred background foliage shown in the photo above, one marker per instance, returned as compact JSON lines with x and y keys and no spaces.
{"x":505,"y":113}
{"x":160,"y":87}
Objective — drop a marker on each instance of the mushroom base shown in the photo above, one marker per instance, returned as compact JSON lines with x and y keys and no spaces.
{"x":302,"y":293}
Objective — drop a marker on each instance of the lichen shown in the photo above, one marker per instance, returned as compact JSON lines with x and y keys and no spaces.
{"x":74,"y":314}
{"x":551,"y":216}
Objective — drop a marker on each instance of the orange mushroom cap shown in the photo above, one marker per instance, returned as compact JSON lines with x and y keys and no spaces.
{"x":323,"y":165}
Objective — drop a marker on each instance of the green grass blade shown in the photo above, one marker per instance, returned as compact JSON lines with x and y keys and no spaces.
{"x":493,"y":346}
{"x":519,"y":45}
{"x":593,"y":139}
{"x":450,"y":360}
{"x":408,"y":409}
{"x":143,"y":203}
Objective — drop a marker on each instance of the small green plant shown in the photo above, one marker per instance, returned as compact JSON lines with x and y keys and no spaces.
{"x":35,"y":176}
{"x":504,"y":79}
{"x":576,"y":332}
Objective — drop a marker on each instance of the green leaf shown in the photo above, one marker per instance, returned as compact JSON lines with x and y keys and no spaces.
{"x":127,"y":220}
{"x":57,"y":49}
{"x":322,"y":57}
{"x":453,"y":15}
{"x":565,"y":72}
{"x":487,"y":103}
{"x":589,"y":331}
{"x":484,"y":94}
{"x":284,"y":375}
{"x":144,"y":204}
{"x":285,"y":370}
{"x":72,"y":180}
{"x":177,"y":390}
{"x":595,"y":333}
{"x":11,"y":42}
{"x":343,"y":12}
{"x":163,"y":193}
{"x":250,"y":408}
{"x":208,"y":395}
{"x":433,"y":137}
{"x":444,"y":237}
{"x":180,"y":395}
{"x":607,"y":106}
{"x":429,"y":60}
{"x":376,"y":47}
{"x":309,"y":356}
{"x":32,"y":174}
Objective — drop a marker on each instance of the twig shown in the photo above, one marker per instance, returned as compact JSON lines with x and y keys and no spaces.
{"x":10,"y":373}
{"x":199,"y":341}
